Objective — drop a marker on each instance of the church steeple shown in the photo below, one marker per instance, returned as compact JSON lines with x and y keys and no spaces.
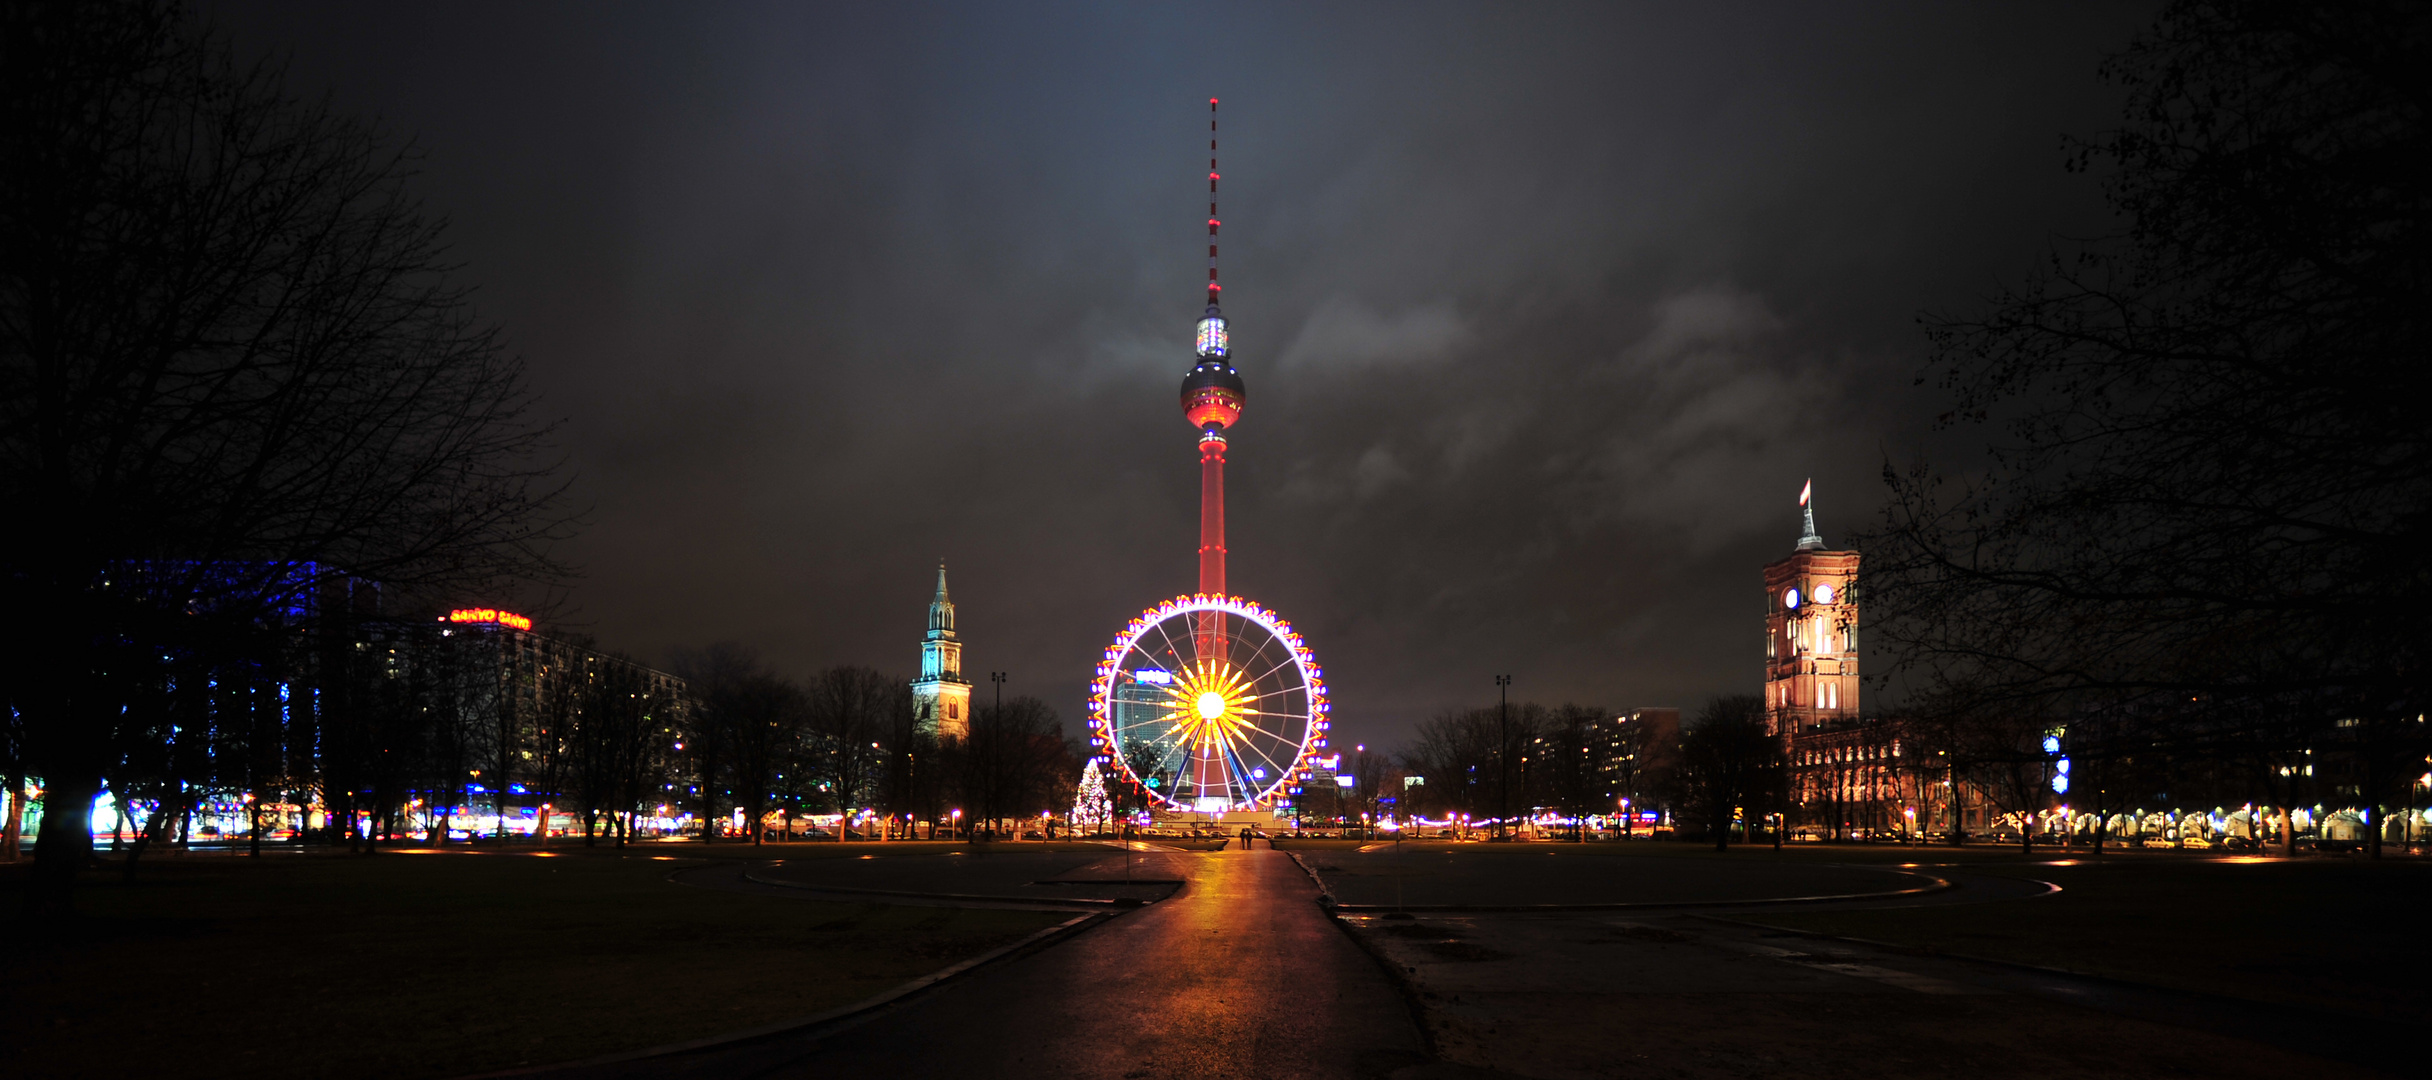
{"x":941,"y":697}
{"x":941,"y":609}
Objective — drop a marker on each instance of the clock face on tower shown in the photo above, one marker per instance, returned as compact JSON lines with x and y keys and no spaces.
{"x":1823,"y":594}
{"x":1790,"y":598}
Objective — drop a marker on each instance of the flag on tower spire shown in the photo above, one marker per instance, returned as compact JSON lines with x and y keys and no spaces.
{"x":1808,"y":540}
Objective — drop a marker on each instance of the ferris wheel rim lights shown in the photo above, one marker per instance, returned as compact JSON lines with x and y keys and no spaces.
{"x":1101,"y":689}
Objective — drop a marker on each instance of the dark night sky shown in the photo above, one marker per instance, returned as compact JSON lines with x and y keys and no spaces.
{"x":1545,"y":311}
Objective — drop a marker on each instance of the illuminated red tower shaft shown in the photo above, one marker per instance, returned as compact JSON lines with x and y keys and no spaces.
{"x":1211,"y":514}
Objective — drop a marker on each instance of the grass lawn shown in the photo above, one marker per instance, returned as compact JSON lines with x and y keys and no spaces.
{"x":1869,"y":854}
{"x":420,"y":965}
{"x":815,"y":849}
{"x":2322,"y":933}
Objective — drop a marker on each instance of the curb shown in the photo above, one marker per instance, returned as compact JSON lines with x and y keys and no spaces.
{"x":1325,"y":896}
{"x":868,"y":1004}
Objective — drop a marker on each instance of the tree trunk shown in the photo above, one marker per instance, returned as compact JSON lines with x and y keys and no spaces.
{"x":1959,"y":809}
{"x":15,"y":828}
{"x":143,"y":839}
{"x":2372,"y":795}
{"x":2102,"y":822}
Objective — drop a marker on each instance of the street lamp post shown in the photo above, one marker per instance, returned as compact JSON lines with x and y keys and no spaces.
{"x":1503,"y":756}
{"x":996,"y":717}
{"x":1359,"y":775}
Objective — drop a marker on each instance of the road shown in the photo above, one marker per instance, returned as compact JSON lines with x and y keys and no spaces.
{"x":1240,"y":974}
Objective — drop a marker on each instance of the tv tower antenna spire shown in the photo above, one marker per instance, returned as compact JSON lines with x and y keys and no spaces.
{"x":1215,"y":291}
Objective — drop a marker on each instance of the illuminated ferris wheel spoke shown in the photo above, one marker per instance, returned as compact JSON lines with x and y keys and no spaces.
{"x":1241,"y":772}
{"x":1279,"y":665}
{"x":1154,"y":664}
{"x":1173,"y":649}
{"x":1271,"y":763}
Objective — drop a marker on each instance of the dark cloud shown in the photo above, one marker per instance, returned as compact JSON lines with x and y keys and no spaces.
{"x":1545,"y":311}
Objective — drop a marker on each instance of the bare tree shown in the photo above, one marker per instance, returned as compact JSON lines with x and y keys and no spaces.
{"x":1455,"y":752}
{"x":721,"y":678}
{"x":1013,"y":763}
{"x":1730,"y":764}
{"x":765,"y":726}
{"x":232,"y":367}
{"x":913,"y":786}
{"x":2200,"y":488}
{"x":851,"y":713}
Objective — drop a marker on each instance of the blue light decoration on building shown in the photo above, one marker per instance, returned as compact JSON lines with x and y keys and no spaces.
{"x":2060,"y":765}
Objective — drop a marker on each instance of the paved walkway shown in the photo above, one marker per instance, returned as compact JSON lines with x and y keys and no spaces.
{"x":1702,"y":996}
{"x":1239,"y":975}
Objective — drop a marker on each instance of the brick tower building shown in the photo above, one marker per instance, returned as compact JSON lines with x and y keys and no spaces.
{"x":1848,"y":776}
{"x":1811,"y":633}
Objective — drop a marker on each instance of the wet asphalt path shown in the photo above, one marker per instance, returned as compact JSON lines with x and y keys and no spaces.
{"x":1240,"y":974}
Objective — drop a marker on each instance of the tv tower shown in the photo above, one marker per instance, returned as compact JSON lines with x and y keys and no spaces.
{"x":1212,"y":396}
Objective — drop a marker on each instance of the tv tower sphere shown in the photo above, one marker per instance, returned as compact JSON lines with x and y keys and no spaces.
{"x":1212,"y":394}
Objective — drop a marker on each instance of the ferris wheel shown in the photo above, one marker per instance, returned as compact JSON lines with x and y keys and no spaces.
{"x":1209,"y":703}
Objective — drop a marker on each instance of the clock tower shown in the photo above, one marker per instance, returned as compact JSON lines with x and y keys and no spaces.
{"x":941,"y":697}
{"x":1811,"y":634}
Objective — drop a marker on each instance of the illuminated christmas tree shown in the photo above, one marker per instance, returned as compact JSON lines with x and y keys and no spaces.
{"x":1092,"y":811}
